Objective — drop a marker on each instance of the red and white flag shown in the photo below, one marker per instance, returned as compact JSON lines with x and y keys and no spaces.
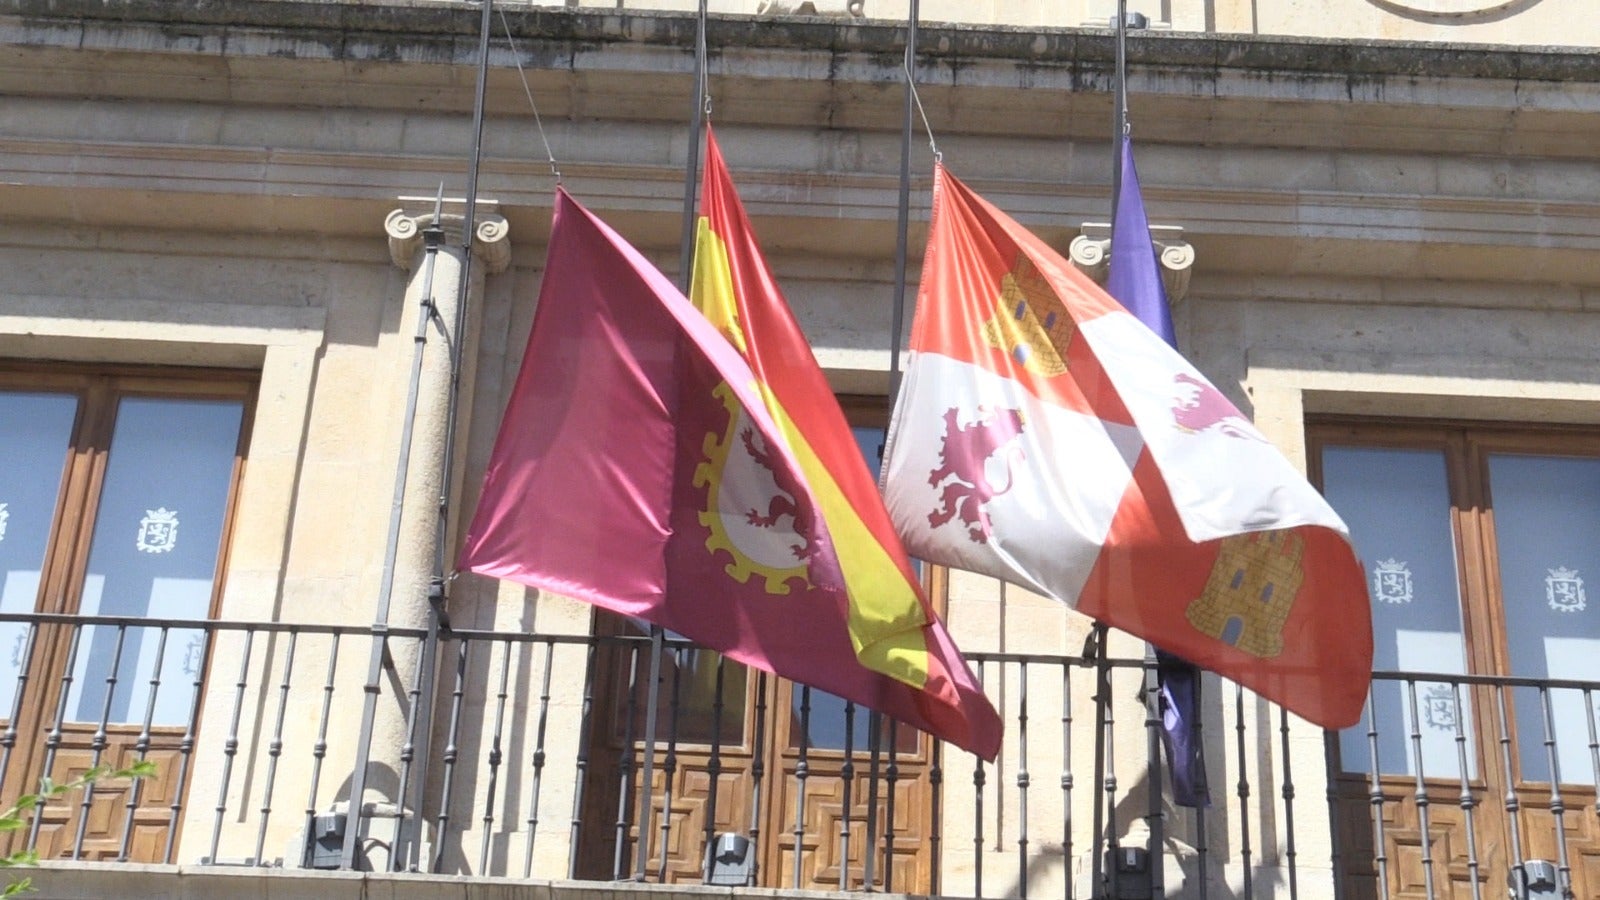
{"x":1045,"y":436}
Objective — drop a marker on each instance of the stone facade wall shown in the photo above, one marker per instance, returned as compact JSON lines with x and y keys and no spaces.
{"x":1380,"y":228}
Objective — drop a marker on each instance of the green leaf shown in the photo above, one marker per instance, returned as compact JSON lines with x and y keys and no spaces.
{"x":142,"y":769}
{"x":12,"y":824}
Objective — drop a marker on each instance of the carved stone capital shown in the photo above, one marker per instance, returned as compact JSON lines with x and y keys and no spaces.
{"x":1090,"y":251}
{"x":407,"y":228}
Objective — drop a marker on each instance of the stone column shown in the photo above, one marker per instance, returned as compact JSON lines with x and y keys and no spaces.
{"x":432,"y":252}
{"x":407,"y":228}
{"x":1090,"y":251}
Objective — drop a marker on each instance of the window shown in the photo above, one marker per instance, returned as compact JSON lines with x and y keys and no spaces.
{"x":114,"y":502}
{"x":1478,"y":544}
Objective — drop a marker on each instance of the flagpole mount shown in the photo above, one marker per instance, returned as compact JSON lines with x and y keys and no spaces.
{"x":491,"y":241}
{"x":1090,"y":251}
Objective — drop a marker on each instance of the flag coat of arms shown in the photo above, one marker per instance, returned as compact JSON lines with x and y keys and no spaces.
{"x":1045,"y":436}
{"x":638,"y":468}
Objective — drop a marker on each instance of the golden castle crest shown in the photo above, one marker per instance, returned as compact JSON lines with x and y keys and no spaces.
{"x":1250,"y":591}
{"x":1030,"y":322}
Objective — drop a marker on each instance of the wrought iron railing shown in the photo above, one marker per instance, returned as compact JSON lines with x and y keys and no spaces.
{"x":530,"y":762}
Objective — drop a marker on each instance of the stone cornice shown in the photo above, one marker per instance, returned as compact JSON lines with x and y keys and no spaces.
{"x":445,"y":22}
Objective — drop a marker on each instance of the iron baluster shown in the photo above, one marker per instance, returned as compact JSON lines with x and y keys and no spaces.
{"x":141,"y":744}
{"x":757,"y":772}
{"x":495,"y":757}
{"x":1512,"y":803}
{"x":625,"y":766}
{"x":275,"y":747}
{"x":1022,"y":779}
{"x":1066,"y":777}
{"x":319,"y":750}
{"x":1243,"y":792}
{"x":1558,"y":806}
{"x":714,"y":765}
{"x":1468,"y":804}
{"x":452,"y":750}
{"x":403,"y":855}
{"x":538,"y":759}
{"x":581,"y":766}
{"x":802,"y":771}
{"x":669,"y":768}
{"x":1288,"y":804}
{"x":97,"y":744}
{"x":231,"y":747}
{"x":186,"y":743}
{"x":891,"y":780}
{"x":24,"y":661}
{"x":847,"y":773}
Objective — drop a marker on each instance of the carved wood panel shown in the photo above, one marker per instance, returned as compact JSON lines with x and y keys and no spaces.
{"x":1451,"y":849}
{"x":757,"y":796}
{"x":107,"y":817}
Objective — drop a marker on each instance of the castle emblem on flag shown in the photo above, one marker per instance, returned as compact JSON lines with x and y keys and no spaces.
{"x":158,"y":530}
{"x":1252,"y":587}
{"x":1201,"y":407}
{"x":755,"y":513}
{"x":1030,"y":323}
{"x":1564,"y":589}
{"x":1391,"y":581}
{"x":964,"y":460}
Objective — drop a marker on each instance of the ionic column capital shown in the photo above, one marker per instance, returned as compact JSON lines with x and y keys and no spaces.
{"x":408,"y":228}
{"x":1090,"y":251}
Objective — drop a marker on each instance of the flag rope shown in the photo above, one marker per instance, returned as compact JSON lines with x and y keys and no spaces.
{"x":516,"y":57}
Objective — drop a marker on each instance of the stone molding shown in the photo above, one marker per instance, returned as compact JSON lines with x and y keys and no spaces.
{"x":491,"y":241}
{"x":1090,"y":251}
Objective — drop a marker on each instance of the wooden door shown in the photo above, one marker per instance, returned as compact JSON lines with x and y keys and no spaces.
{"x":748,"y":782}
{"x":140,"y":489}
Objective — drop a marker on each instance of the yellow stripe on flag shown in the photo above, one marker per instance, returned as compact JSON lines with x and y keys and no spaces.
{"x":885,"y":618}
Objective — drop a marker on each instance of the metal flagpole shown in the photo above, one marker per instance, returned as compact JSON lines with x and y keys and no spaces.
{"x":1152,"y":682}
{"x":900,"y":239}
{"x":438,"y":585}
{"x":897,"y":322}
{"x":380,"y":627}
{"x":702,"y":101}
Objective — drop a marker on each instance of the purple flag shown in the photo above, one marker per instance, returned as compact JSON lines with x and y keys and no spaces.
{"x":1135,"y":281}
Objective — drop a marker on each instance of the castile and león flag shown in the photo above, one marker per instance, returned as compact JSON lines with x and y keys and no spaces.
{"x":1046,"y":436}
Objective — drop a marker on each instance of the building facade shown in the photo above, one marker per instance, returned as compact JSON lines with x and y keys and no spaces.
{"x":237,"y":255}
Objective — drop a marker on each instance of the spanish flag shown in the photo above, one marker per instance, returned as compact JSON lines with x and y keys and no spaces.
{"x":892,"y":629}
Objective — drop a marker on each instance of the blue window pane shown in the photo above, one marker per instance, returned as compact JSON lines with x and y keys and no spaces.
{"x":35,"y":438}
{"x":157,"y":534}
{"x":1397,"y":504}
{"x":1547,"y":532}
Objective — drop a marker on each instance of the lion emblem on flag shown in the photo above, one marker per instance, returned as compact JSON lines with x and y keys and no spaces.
{"x":1200,"y":407}
{"x":964,"y":461}
{"x":755,"y":511}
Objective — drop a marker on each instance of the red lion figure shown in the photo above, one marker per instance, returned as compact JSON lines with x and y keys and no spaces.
{"x":965,"y":451}
{"x":785,"y":503}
